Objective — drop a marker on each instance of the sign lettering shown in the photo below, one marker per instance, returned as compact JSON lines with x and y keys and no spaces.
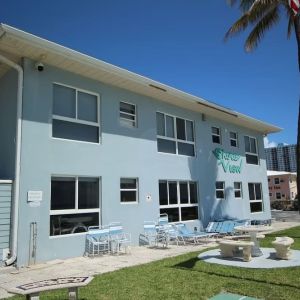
{"x":231,"y":162}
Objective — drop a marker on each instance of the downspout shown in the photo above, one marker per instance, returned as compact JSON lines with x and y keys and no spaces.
{"x":16,"y":191}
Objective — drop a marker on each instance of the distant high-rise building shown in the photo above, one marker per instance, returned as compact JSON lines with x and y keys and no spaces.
{"x":281,"y":158}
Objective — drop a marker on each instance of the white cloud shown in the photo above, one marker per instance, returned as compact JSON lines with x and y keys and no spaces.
{"x":269,"y":144}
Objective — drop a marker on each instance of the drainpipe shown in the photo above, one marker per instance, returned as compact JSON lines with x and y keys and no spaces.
{"x":16,"y":191}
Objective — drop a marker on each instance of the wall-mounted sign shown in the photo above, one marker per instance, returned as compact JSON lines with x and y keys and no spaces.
{"x":231,"y":162}
{"x":34,"y":196}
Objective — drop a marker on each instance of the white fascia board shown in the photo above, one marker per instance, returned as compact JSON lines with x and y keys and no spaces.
{"x":141,"y":80}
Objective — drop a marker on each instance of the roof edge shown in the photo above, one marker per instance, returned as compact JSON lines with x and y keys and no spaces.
{"x":140,"y":79}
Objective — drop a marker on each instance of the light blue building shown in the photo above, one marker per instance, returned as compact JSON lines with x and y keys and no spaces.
{"x":87,"y":143}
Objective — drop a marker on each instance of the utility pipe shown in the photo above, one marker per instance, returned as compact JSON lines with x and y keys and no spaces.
{"x":16,"y":190}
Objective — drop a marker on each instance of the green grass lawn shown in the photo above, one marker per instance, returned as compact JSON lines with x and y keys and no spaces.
{"x":185,"y":277}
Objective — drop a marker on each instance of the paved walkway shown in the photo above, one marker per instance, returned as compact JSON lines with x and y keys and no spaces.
{"x":83,"y":266}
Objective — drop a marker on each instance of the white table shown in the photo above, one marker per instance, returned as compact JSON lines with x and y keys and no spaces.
{"x":253,"y":230}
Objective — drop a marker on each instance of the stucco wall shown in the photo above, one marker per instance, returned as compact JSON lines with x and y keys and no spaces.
{"x":8,"y":108}
{"x":123,"y":152}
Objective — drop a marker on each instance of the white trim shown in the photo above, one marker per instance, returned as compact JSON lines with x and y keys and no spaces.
{"x":217,"y":135}
{"x":175,"y":138}
{"x":6,"y":181}
{"x":256,"y":200}
{"x":220,"y":190}
{"x":232,"y":139}
{"x":134,"y":121}
{"x":76,"y":210}
{"x":251,"y":153}
{"x":240,"y":189}
{"x":130,"y":190}
{"x":180,"y":205}
{"x":76,"y":120}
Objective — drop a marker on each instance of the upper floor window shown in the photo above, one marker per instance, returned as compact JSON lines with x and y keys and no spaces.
{"x":276,"y":180}
{"x":251,"y":150}
{"x":179,"y":200}
{"x":233,"y":139}
{"x":216,"y":135}
{"x":175,"y":135}
{"x":128,"y":114}
{"x":75,"y":114}
{"x":255,"y":197}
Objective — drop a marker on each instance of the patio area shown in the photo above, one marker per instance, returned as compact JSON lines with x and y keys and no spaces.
{"x":144,"y":278}
{"x":267,"y":261}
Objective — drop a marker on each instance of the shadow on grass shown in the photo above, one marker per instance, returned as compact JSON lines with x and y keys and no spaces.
{"x":227,"y":272}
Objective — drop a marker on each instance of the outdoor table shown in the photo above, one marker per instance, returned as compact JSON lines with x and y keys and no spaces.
{"x":253,"y":230}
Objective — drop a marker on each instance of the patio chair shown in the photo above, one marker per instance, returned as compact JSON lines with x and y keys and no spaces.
{"x":150,"y":232}
{"x":193,"y":236}
{"x":163,"y":230}
{"x":118,"y":238}
{"x":97,"y":241}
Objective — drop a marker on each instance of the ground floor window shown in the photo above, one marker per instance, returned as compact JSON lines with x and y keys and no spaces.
{"x":278,"y":196}
{"x":179,"y":200}
{"x":74,"y":204}
{"x":255,"y":197}
{"x":237,"y":189}
{"x":220,"y":189}
{"x":129,"y":190}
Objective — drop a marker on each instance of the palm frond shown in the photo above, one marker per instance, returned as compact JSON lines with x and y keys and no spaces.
{"x":261,"y":8}
{"x":261,"y":27}
{"x":240,"y":25}
{"x":290,"y":26}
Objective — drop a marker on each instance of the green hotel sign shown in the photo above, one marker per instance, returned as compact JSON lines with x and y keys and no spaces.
{"x":231,"y":162}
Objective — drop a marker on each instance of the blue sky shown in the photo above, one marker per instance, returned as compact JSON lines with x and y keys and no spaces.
{"x":180,"y":43}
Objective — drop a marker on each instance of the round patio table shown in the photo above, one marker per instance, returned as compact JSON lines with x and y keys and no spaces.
{"x":253,"y":230}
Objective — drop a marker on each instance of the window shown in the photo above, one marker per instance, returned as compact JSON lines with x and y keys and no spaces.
{"x":128,"y":190}
{"x":220,"y":189}
{"x":281,"y":180}
{"x":268,"y":179}
{"x":255,"y":197}
{"x":276,"y":180}
{"x":278,"y":196}
{"x":128,"y":114}
{"x":233,"y":139}
{"x":216,"y":135}
{"x":175,"y":135}
{"x":179,"y":200}
{"x":237,"y":189}
{"x":270,"y":194}
{"x":75,"y":114}
{"x":74,"y":204}
{"x":251,"y":150}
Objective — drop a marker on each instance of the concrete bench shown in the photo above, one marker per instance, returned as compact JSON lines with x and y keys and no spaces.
{"x":33,"y":290}
{"x":230,"y":247}
{"x":282,"y":246}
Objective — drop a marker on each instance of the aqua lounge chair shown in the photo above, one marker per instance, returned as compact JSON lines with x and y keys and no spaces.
{"x":118,"y":238}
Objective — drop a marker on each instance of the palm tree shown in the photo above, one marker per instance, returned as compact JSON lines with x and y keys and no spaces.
{"x":262,"y":15}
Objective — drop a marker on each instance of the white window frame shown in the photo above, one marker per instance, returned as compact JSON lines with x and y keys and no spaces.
{"x":75,"y":210}
{"x":179,"y":205}
{"x":127,"y":121}
{"x":130,"y":190}
{"x":256,"y":200}
{"x":220,"y":190}
{"x":278,"y":183}
{"x":175,"y":139}
{"x":278,"y":198}
{"x":236,"y":140}
{"x":238,"y":190}
{"x":215,"y":134}
{"x":76,"y":120}
{"x":252,"y":153}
